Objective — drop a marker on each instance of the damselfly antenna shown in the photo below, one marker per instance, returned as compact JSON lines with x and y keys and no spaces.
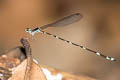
{"x":62,"y":22}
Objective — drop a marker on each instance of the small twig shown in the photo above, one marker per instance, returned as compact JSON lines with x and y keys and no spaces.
{"x":28,"y":50}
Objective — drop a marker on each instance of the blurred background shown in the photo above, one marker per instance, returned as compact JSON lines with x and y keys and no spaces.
{"x":99,"y":29}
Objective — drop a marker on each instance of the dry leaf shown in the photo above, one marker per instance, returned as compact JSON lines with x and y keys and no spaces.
{"x":6,"y":65}
{"x":35,"y":73}
{"x":27,"y":70}
{"x":50,"y":73}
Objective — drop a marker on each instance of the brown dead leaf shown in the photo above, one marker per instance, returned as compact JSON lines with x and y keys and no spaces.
{"x":20,"y":72}
{"x":27,"y":70}
{"x":7,"y":62}
{"x":6,"y":65}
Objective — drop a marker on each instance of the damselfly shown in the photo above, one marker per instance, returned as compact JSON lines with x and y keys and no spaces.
{"x":62,"y":22}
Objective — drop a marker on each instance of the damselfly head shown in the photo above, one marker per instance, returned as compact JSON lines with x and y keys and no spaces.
{"x":28,"y":30}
